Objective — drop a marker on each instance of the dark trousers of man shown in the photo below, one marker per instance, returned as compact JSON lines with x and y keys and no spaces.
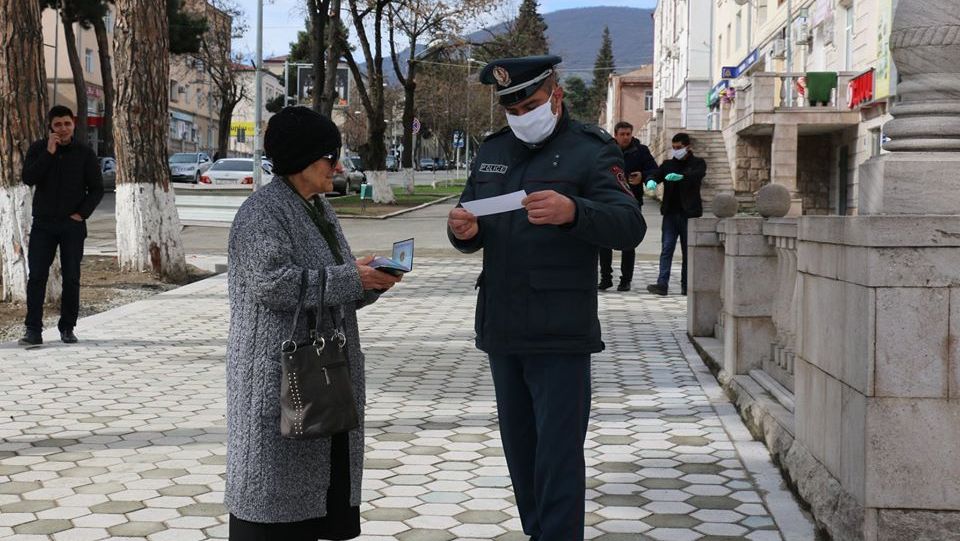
{"x":674,"y":226}
{"x":46,"y":235}
{"x":543,"y":402}
{"x":627,"y":260}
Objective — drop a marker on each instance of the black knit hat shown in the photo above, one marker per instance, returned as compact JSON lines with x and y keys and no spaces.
{"x":298,"y":136}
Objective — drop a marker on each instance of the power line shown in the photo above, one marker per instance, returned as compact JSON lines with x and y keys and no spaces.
{"x":561,"y":68}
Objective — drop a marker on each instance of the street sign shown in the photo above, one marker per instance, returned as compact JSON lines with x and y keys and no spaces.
{"x":458,"y":139}
{"x":416,"y":126}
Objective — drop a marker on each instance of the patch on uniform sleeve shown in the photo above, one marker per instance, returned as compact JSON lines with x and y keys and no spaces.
{"x":621,"y":178}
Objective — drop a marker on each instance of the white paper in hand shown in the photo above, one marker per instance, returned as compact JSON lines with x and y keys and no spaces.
{"x":496,"y":205}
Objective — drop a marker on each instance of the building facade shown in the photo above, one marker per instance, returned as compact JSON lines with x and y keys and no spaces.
{"x":193,"y":102}
{"x":244,"y":115}
{"x":682,"y":53}
{"x":629,"y":99}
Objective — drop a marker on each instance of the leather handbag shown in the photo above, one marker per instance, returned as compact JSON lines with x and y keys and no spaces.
{"x":316,"y":395}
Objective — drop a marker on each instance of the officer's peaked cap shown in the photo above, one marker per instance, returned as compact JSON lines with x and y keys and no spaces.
{"x":517,"y":79}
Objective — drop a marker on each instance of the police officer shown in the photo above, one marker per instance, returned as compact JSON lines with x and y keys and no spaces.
{"x":537,"y":304}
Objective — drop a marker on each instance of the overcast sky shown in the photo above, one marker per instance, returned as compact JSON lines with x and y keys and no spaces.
{"x":283,"y":18}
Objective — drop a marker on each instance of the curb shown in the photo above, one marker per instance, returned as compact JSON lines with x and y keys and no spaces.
{"x":399,"y":212}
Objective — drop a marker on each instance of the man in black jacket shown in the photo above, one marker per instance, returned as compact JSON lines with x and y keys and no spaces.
{"x":638,"y":163}
{"x":681,"y":177}
{"x":537,"y":301}
{"x":66,"y":175}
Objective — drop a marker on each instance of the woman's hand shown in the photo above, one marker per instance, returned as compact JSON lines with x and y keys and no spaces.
{"x":371,"y":278}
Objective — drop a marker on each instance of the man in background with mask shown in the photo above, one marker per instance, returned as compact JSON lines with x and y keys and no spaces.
{"x":681,"y":176}
{"x":537,"y":302}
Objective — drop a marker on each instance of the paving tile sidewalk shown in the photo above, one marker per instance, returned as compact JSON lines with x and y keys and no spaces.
{"x":122,"y":436}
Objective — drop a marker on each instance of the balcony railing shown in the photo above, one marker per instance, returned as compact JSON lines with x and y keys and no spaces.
{"x":767,"y":93}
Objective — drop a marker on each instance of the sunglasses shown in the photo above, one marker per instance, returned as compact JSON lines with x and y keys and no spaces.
{"x":333,"y":158}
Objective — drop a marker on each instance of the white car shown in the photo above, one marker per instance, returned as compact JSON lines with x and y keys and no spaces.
{"x":232,"y":171}
{"x":188,"y":166}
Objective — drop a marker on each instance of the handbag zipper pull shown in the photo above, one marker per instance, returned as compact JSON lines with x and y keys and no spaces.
{"x":326,"y":376}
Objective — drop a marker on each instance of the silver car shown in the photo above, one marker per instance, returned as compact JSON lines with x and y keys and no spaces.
{"x":188,"y":166}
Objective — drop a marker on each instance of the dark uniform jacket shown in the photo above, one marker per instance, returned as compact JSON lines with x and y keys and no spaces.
{"x":538,"y":289}
{"x":67,"y":182}
{"x":637,"y":159}
{"x":682,"y":196}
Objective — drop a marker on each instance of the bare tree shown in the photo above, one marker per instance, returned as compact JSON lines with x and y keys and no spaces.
{"x":368,"y":20}
{"x":225,"y":23}
{"x":148,"y":227}
{"x":431,"y":23}
{"x":23,"y":104}
{"x":336,"y":31}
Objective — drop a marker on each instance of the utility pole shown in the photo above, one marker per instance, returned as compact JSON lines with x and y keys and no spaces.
{"x":789,"y":52}
{"x":56,"y":55}
{"x":258,"y":101}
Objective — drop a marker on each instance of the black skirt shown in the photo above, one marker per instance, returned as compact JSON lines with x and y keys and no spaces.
{"x":341,"y":522}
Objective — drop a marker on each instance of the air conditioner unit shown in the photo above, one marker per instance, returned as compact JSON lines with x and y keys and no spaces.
{"x":779,"y":48}
{"x":803,"y":35}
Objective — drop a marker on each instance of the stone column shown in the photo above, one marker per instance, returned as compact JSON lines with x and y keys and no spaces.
{"x":705,"y":271}
{"x":749,"y":287}
{"x":783,"y":163}
{"x":878,"y":367}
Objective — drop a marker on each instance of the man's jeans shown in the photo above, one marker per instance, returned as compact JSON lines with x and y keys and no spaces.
{"x":45,"y":236}
{"x":674,"y":226}
{"x":627,"y":260}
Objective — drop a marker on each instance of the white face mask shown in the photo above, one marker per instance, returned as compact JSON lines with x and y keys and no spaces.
{"x":680,"y":153}
{"x":534,"y":126}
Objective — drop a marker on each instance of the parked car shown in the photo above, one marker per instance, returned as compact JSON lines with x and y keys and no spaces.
{"x":393,"y":164}
{"x":356,"y":161}
{"x":108,"y":170}
{"x":349,"y":179}
{"x":188,"y":166}
{"x":442,"y":164}
{"x":231,"y":171}
{"x":427,"y":164}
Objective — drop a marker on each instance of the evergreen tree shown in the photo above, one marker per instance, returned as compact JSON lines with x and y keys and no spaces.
{"x":524,"y":36}
{"x":578,"y":98}
{"x":185,"y":29}
{"x":602,"y":69}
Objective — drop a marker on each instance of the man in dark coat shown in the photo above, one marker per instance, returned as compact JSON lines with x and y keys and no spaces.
{"x":681,"y":176}
{"x":69,"y":186}
{"x":638,"y":163}
{"x":537,"y":303}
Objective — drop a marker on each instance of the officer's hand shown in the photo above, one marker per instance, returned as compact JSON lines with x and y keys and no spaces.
{"x":52,"y":143}
{"x":549,"y":208}
{"x":463,"y":223}
{"x":76,"y":217}
{"x":372,"y":278}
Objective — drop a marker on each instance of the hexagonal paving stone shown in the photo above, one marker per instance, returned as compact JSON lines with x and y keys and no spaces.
{"x":671,"y":521}
{"x":43,"y":527}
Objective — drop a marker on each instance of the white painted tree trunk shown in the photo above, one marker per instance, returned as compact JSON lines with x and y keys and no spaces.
{"x":410,"y":174}
{"x":382,"y":192}
{"x":148,"y":230}
{"x":16,"y":208}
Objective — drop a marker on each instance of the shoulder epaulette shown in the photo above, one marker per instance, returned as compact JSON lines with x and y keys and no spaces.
{"x":502,"y":131}
{"x":597,"y":131}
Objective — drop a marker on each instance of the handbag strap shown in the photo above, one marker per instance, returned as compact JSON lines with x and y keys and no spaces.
{"x":291,"y":342}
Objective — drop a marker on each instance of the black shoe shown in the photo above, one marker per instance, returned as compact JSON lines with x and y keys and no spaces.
{"x":624,"y":286}
{"x":67,"y":337}
{"x":656,"y":289}
{"x":31,"y":339}
{"x":605,"y":284}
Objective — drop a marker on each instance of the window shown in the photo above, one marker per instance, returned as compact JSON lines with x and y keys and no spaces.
{"x":88,"y":60}
{"x":761,"y":12}
{"x":173,"y":90}
{"x":108,"y":20}
{"x":648,"y":100}
{"x":848,"y":39}
{"x":720,"y":47}
{"x":739,"y":27}
{"x":729,"y":39}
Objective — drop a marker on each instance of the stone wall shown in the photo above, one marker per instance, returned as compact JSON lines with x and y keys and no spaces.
{"x":753,"y":163}
{"x":815,"y":169}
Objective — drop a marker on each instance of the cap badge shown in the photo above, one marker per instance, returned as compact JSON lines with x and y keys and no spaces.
{"x":501,"y":75}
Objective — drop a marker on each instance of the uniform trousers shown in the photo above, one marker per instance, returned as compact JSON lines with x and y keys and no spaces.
{"x":46,"y":235}
{"x":543,"y":402}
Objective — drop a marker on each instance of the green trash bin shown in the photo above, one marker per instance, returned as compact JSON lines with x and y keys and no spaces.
{"x":820,"y":85}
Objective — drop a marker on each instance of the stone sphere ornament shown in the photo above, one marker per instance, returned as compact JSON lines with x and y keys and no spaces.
{"x":773,"y":201}
{"x":725,"y":205}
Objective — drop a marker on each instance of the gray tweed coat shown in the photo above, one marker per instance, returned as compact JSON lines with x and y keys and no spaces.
{"x":269,"y":478}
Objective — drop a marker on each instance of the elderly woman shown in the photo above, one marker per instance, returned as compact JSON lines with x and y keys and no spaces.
{"x":278,"y":488}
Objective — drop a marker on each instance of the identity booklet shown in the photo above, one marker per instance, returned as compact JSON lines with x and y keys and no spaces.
{"x":401,"y":262}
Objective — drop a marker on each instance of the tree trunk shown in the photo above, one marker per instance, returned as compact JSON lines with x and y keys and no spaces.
{"x":22,"y":73}
{"x":106,"y":73}
{"x":377,"y":152}
{"x":409,"y":91}
{"x":79,"y":84}
{"x":333,"y":61}
{"x":223,"y":126}
{"x":319,"y":17}
{"x":148,"y":227}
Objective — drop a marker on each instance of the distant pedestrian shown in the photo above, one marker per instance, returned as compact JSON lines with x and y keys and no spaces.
{"x":537,"y":301}
{"x":681,"y":176}
{"x":638,"y":163}
{"x":68,"y":187}
{"x":279,"y":488}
